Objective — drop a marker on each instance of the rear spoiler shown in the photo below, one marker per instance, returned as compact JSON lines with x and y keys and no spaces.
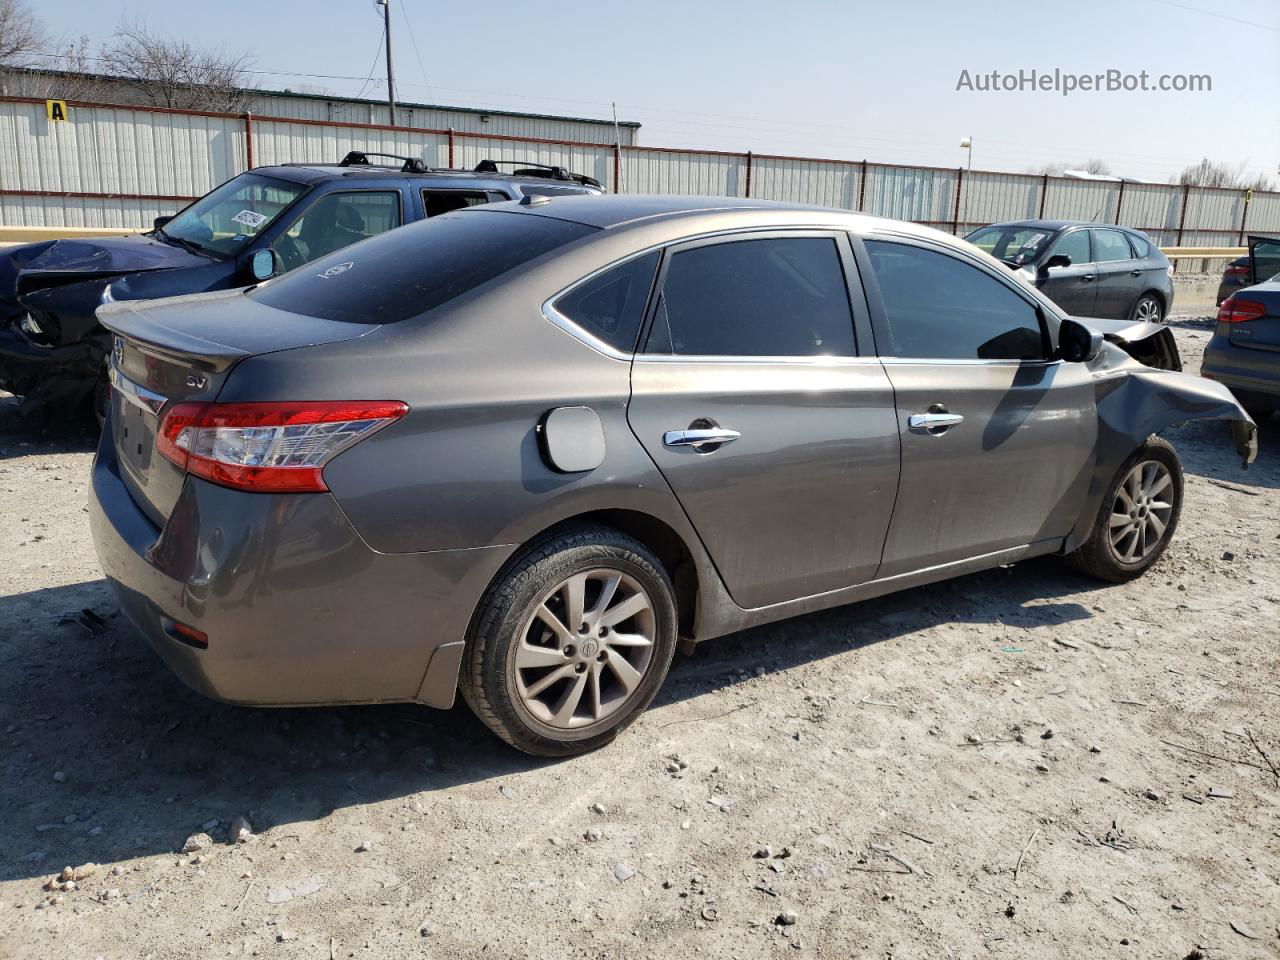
{"x":543,"y":170}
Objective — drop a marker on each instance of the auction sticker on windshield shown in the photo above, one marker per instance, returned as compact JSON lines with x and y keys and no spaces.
{"x":250,"y":218}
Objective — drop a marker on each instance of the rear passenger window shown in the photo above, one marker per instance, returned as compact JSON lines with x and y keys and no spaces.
{"x":1140,"y":246}
{"x":1110,"y":245}
{"x":437,"y":202}
{"x":775,"y":297}
{"x":610,"y":306}
{"x":940,"y":307}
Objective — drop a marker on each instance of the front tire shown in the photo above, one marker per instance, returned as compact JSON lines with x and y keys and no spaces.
{"x":1138,"y":516}
{"x":571,"y":643}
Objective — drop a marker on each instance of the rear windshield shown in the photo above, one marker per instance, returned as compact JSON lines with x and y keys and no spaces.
{"x":404,"y":273}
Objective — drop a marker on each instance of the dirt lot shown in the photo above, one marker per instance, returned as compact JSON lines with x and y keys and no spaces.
{"x":813,"y":786}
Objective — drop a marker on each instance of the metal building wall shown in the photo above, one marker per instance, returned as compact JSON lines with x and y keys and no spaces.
{"x":113,"y":166}
{"x":440,"y":118}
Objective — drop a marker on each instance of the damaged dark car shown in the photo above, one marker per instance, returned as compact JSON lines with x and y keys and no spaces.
{"x":53,"y":351}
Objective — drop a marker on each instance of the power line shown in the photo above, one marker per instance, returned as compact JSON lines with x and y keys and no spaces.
{"x":414,"y":40}
{"x":1220,"y":16}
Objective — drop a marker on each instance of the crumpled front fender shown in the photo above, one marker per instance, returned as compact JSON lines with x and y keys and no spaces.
{"x":1135,"y":402}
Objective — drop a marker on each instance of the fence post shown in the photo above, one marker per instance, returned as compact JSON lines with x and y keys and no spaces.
{"x":1182,"y":217}
{"x":748,"y":193}
{"x":617,"y":168}
{"x":1244,"y":215}
{"x":862,"y":186}
{"x":451,"y":148}
{"x":955,"y":214}
{"x":248,"y":141}
{"x":1119,"y":201}
{"x":1044,"y":193}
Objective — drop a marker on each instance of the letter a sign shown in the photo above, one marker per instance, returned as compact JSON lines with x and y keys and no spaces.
{"x":56,"y":109}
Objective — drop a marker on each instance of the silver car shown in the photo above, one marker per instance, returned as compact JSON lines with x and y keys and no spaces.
{"x":525,"y":449}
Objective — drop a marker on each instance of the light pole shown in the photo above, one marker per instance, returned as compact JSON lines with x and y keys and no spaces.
{"x":967,"y":144}
{"x":391,"y":85}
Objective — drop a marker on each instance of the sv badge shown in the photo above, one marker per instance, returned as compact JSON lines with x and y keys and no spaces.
{"x":197,"y":382}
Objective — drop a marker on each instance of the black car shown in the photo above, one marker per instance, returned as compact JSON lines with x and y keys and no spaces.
{"x":260,"y":223}
{"x":1244,"y":351}
{"x":1088,"y":269}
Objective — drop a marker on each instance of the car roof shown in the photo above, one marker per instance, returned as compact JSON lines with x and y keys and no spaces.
{"x":1063,"y":224}
{"x":610,"y":211}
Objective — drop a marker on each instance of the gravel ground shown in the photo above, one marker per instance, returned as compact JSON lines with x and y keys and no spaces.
{"x":1014,"y":764}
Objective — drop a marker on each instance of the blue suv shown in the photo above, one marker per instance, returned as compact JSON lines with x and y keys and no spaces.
{"x":263,"y":222}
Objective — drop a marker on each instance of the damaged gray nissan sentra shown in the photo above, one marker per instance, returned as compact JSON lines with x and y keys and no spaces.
{"x":525,"y":449}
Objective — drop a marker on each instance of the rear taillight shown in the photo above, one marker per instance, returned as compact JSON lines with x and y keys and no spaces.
{"x":268,"y":447}
{"x":1235,"y":310}
{"x":1237,"y":270}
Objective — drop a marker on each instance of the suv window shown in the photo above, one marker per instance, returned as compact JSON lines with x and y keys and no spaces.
{"x":1075,"y":245}
{"x":405,"y":273}
{"x":610,"y":306}
{"x":437,"y":202}
{"x":225,"y":219}
{"x":336,"y":221}
{"x":1110,"y":245}
{"x":940,"y":307}
{"x":773,"y":297}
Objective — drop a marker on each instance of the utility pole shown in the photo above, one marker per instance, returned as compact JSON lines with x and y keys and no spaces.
{"x":391,"y":83}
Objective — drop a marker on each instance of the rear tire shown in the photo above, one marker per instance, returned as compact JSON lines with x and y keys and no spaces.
{"x":1137,"y":518}
{"x":1148,"y":309}
{"x":571,"y":642}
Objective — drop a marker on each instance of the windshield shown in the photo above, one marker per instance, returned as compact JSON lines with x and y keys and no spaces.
{"x":1012,"y":244}
{"x":224,"y":220}
{"x":404,"y":273}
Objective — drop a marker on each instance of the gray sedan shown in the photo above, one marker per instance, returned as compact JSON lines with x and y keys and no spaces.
{"x":525,"y":449}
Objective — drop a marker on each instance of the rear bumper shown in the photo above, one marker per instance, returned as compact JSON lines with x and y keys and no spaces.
{"x":298,"y":610}
{"x":1240,"y":368}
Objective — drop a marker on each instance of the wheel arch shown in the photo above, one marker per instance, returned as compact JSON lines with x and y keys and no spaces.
{"x":657,"y":535}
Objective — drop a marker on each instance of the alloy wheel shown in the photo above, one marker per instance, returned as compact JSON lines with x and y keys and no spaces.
{"x":1141,"y":511}
{"x":1148,"y":311}
{"x":585,"y":649}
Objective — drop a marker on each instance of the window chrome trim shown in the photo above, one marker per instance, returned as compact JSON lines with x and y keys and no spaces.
{"x":578,"y":332}
{"x":148,"y":400}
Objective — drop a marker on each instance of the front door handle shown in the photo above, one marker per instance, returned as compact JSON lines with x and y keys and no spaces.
{"x":935,"y":423}
{"x":700,"y":439}
{"x":1088,"y":277}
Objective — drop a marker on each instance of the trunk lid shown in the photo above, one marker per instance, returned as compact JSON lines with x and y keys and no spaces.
{"x":183,"y":349}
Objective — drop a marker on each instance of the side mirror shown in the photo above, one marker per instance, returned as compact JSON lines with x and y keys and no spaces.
{"x":1057,"y":260}
{"x":1078,"y":343}
{"x":159,"y":222}
{"x":264,"y":264}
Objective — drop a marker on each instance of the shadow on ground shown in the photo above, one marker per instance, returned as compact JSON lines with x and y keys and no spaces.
{"x":147,"y":761}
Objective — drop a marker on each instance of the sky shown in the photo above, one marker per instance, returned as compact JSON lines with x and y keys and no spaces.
{"x":816,"y":78}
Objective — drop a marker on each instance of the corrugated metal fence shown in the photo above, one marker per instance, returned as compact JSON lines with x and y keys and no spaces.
{"x":113,"y":166}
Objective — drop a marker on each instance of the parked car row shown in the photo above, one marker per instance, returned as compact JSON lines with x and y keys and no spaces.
{"x":522,"y":449}
{"x":269,"y":220}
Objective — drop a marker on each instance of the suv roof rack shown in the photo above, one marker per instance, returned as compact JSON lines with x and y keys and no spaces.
{"x":543,"y":170}
{"x":359,"y":158}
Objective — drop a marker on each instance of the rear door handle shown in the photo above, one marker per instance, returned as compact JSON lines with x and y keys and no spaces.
{"x":1088,"y":277}
{"x":933,"y":423}
{"x":700,"y":439}
{"x":1135,"y":273}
